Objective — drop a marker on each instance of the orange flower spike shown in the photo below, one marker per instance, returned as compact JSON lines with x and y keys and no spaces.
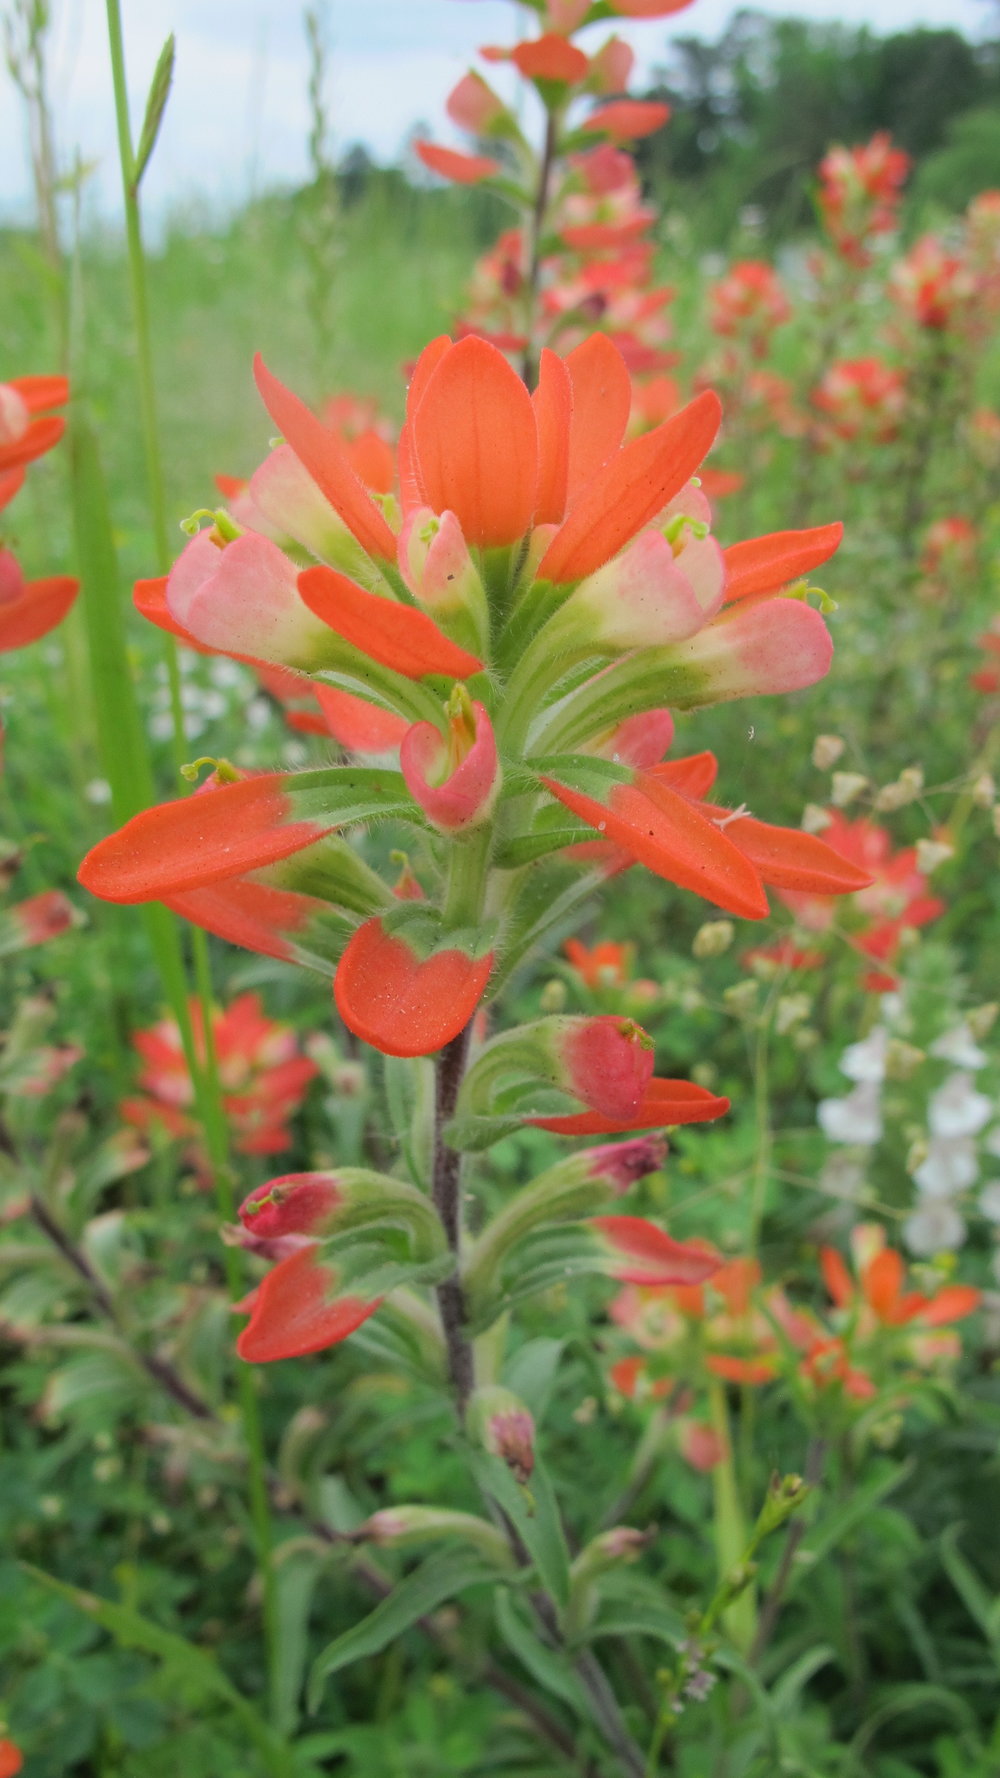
{"x":295,"y":1311}
{"x":323,"y":455}
{"x":475,"y":440}
{"x":400,"y":1002}
{"x":763,"y":564}
{"x":630,"y":490}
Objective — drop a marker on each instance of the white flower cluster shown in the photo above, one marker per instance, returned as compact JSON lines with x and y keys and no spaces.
{"x":946,"y":1163}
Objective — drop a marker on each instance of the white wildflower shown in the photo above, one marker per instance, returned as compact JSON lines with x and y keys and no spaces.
{"x":950,"y":1165}
{"x":866,"y":1060}
{"x":958,"y":1046}
{"x":934,"y":1228}
{"x":855,"y":1118}
{"x":956,"y":1109}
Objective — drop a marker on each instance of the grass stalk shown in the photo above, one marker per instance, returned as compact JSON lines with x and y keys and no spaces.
{"x":203,"y":1069}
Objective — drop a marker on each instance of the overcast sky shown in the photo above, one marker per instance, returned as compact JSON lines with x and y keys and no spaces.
{"x":238,"y":118}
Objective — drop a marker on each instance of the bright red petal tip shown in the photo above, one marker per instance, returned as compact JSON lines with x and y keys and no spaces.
{"x":663,"y":831}
{"x":475,"y":440}
{"x":39,"y":607}
{"x":665,"y":1102}
{"x":323,"y":455}
{"x":400,"y":1003}
{"x":762,"y":564}
{"x":630,"y":490}
{"x":396,"y":636}
{"x":198,"y":840}
{"x":648,"y":1255}
{"x":292,"y":1312}
{"x":463,"y":169}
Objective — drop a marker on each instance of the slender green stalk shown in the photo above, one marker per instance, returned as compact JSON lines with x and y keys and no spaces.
{"x":204,"y":1069}
{"x":730,"y":1528}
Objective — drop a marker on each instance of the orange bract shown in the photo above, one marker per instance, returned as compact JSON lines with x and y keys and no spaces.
{"x":475,"y":441}
{"x":198,"y":840}
{"x":400,"y":1003}
{"x":407,"y":641}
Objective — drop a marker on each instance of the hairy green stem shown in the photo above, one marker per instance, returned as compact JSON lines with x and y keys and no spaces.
{"x":446,"y":1192}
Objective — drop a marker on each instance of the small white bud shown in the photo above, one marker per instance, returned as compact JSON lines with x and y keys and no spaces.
{"x":815,"y":819}
{"x":827,"y":749}
{"x":931,"y":853}
{"x":906,"y":789}
{"x":713,"y":938}
{"x":846,"y":787}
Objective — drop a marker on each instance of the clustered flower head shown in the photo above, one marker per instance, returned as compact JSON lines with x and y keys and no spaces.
{"x":525,"y":608}
{"x":859,"y":195}
{"x":749,"y":302}
{"x":28,"y":609}
{"x":263,"y":1077}
{"x":543,"y":584}
{"x":862,"y":399}
{"x":595,"y":265}
{"x":894,"y":902}
{"x":743,"y":1330}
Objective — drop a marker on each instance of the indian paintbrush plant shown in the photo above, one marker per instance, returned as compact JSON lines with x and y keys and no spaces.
{"x":493,"y":627}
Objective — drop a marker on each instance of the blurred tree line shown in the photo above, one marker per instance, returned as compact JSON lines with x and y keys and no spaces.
{"x":754,"y":112}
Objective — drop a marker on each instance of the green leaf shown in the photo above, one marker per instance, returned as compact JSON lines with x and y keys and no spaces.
{"x":531,"y":1372}
{"x":104,"y":1383}
{"x":296,"y":1571}
{"x":980,"y":1604}
{"x":120,"y":733}
{"x":443,"y":1576}
{"x":833,"y":1527}
{"x":526,"y":848}
{"x":787,"y":1694}
{"x":198,"y":1669}
{"x":534,"y":1513}
{"x":156,"y":104}
{"x":901,"y":1700}
{"x":548,"y":1667}
{"x":640,"y":1619}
